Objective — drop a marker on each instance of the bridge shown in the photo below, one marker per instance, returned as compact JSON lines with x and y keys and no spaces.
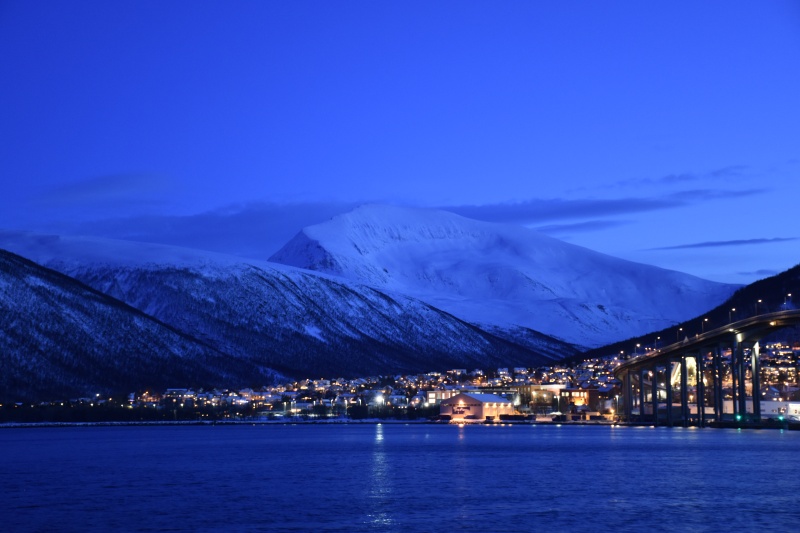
{"x":703,"y":379}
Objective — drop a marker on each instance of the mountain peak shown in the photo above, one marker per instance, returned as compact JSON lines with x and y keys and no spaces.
{"x":500,"y":274}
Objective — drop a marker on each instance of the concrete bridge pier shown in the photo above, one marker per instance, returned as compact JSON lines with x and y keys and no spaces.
{"x":734,"y":381}
{"x":684,"y":392}
{"x":668,"y":384}
{"x":628,"y":387}
{"x":641,"y":394}
{"x":741,"y":376}
{"x":699,"y":375}
{"x":654,"y":393}
{"x":716,"y":378}
{"x":755,"y":370}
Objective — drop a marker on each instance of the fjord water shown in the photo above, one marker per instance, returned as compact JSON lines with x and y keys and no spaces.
{"x":395,"y":477}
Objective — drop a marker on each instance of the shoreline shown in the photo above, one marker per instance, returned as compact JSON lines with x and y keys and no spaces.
{"x":375,"y":421}
{"x":367,"y":421}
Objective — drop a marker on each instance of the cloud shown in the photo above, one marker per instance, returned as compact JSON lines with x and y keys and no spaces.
{"x":115,"y":189}
{"x":715,"y":244}
{"x":537,"y":211}
{"x":251,"y":230}
{"x":695,"y":196}
{"x":581,"y":227}
{"x":533,"y":211}
{"x":728,"y":172}
{"x":759,"y":274}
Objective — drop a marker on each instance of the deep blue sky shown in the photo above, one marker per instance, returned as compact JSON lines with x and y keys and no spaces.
{"x":662,"y":132}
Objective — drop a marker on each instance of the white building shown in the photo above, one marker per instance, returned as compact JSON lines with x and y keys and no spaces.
{"x":475,"y":407}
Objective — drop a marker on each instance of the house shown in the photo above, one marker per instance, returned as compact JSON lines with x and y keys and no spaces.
{"x":572,"y":398}
{"x":437,"y":396}
{"x":475,"y":407}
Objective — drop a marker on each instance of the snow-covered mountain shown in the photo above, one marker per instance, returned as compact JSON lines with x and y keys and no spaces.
{"x":61,"y":339}
{"x":501,"y":275}
{"x":274,"y":317}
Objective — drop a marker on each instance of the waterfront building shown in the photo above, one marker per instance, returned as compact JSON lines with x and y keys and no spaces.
{"x":475,"y":407}
{"x":572,"y":398}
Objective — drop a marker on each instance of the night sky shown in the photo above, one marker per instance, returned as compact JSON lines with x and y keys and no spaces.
{"x":662,"y":132}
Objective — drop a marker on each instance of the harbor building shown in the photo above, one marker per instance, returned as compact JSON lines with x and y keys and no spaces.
{"x":475,"y":407}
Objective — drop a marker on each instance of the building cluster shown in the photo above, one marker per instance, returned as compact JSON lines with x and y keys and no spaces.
{"x":581,"y":391}
{"x":584,"y":390}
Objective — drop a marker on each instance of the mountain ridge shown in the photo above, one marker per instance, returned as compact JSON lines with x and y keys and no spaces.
{"x":282,"y":320}
{"x":500,"y":275}
{"x":60,"y":338}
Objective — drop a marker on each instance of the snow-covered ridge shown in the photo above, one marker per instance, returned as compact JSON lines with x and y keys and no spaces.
{"x":501,"y":275}
{"x":276,"y":318}
{"x":76,"y":250}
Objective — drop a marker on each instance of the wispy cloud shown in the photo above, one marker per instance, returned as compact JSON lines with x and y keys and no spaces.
{"x":696,"y":196}
{"x":537,"y":211}
{"x":715,"y":244}
{"x":252,"y":230}
{"x":727,"y":172}
{"x":111,"y":189}
{"x":758,"y":274}
{"x":534,"y":211}
{"x":581,"y":227}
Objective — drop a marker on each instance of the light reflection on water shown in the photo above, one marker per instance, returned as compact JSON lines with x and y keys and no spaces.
{"x":380,"y":493}
{"x":391,"y":477}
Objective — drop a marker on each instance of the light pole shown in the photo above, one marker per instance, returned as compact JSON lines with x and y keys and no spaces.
{"x":657,"y":339}
{"x":703,"y":325}
{"x":730,"y":314}
{"x":787,"y":300}
{"x":758,"y":302}
{"x":637,"y":349}
{"x":678,"y":335}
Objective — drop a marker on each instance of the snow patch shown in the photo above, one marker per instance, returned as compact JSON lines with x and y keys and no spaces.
{"x":314,"y":331}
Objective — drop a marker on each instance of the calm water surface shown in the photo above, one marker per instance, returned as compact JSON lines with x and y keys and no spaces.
{"x":398,"y":478}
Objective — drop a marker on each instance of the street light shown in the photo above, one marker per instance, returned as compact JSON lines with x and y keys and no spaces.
{"x":703,"y":325}
{"x":787,"y":299}
{"x":758,"y":302}
{"x":656,"y":343}
{"x":637,"y":349}
{"x":729,"y":314}
{"x":678,"y":335}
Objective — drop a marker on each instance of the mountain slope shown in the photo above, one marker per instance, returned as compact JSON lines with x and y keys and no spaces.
{"x":776,"y":293}
{"x":60,"y":339}
{"x":304,"y":324}
{"x":300,"y":323}
{"x":501,"y":275}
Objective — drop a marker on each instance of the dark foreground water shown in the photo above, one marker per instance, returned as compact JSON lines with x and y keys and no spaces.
{"x":402,"y":478}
